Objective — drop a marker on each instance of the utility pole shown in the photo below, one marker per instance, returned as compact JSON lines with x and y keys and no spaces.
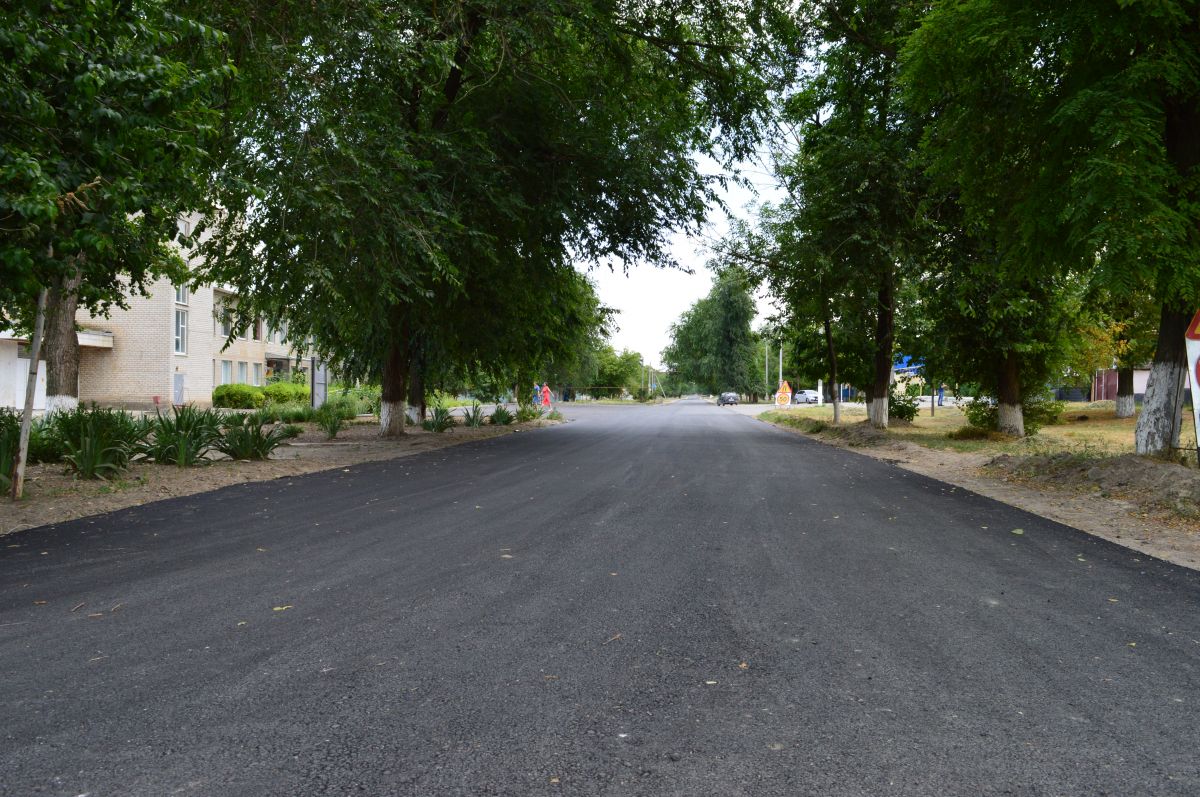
{"x":766,"y":364}
{"x":780,"y":364}
{"x":35,"y":349}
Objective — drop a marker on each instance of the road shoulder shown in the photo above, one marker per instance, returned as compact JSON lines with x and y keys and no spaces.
{"x":1110,"y":516}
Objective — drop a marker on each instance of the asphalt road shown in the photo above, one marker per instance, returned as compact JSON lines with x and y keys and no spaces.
{"x":645,"y":601}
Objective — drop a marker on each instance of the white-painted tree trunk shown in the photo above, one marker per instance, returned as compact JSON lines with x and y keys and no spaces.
{"x":1125,"y":406}
{"x":391,"y":418}
{"x":1158,"y":426}
{"x":61,"y":403}
{"x":1011,"y":420}
{"x":877,"y":412}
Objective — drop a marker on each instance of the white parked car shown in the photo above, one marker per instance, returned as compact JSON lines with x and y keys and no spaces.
{"x":805,"y":397}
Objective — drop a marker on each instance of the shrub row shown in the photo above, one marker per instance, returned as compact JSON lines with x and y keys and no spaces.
{"x":248,"y":397}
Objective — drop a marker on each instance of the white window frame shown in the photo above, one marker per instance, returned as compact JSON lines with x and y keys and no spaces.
{"x":226,"y":372}
{"x":181,"y":330}
{"x":256,"y":374}
{"x":243,"y":373}
{"x":182,"y":295}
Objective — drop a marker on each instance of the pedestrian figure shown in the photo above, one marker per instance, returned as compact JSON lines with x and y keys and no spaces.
{"x":537,"y":394}
{"x":545,"y":395}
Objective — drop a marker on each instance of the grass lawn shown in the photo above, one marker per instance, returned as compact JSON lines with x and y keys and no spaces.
{"x":1085,"y":428}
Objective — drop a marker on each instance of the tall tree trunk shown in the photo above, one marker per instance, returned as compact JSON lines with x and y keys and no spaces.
{"x":62,"y":345}
{"x":1011,"y":416}
{"x":885,"y":329}
{"x":833,"y":375}
{"x":395,"y":389}
{"x":1125,"y":404}
{"x":1157,"y":430}
{"x":416,"y":389}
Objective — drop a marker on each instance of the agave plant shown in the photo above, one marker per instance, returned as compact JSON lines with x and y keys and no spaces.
{"x":474,"y":416}
{"x":248,"y":437}
{"x":502,"y":416}
{"x":94,"y":454}
{"x":331,"y":420}
{"x":183,"y":437}
{"x":529,"y":412}
{"x":440,"y":419}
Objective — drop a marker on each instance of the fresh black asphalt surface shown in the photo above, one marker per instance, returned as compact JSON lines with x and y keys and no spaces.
{"x":671,"y":600}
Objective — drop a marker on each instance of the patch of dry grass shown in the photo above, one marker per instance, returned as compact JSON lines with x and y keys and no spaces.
{"x":1085,"y":428}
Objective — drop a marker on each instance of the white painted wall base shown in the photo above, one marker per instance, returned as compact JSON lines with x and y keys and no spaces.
{"x":14,"y":375}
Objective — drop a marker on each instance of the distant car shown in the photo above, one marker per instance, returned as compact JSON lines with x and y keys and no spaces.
{"x":806,"y":397}
{"x":727,"y":398}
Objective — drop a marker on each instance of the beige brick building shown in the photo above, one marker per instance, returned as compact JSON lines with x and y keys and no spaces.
{"x":170,"y":348}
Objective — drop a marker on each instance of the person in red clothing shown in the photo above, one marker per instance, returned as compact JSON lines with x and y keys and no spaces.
{"x":545,"y":395}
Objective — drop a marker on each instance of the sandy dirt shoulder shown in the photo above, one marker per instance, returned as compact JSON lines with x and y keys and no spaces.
{"x":1123,"y":516}
{"x":54,"y":496}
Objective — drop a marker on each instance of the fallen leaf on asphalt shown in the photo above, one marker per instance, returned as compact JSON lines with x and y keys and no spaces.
{"x":710,"y":683}
{"x":506,"y":556}
{"x":743,"y":666}
{"x":1133,"y":644}
{"x":118,"y":606}
{"x":612,"y":574}
{"x":241,"y":622}
{"x":554,"y":780}
{"x":612,"y":639}
{"x":96,"y":614}
{"x":550,"y":677}
{"x":261,"y":550}
{"x":77,"y":606}
{"x":282,"y":608}
{"x":1113,"y":600}
{"x":39,"y":603}
{"x":1018,"y":531}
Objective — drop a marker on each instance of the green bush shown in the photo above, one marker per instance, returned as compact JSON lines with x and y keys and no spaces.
{"x":95,"y":454}
{"x":528,"y":413}
{"x":1038,"y":411}
{"x":330,"y":420}
{"x":182,"y":437}
{"x":441,"y":419}
{"x":554,"y":415}
{"x":902,"y":406}
{"x":247,"y":437}
{"x":501,"y":416}
{"x":474,"y":416}
{"x":287,"y":393}
{"x":346,"y":407}
{"x":238,"y":397}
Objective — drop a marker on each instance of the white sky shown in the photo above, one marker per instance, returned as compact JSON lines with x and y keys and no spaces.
{"x":651,"y":299}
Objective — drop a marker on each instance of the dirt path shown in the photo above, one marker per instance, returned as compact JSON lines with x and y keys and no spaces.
{"x":1124,"y":518}
{"x":54,"y":496}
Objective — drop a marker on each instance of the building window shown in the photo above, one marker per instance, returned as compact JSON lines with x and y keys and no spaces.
{"x":242,"y":374}
{"x":182,"y":294}
{"x":258,"y":374}
{"x":256,"y":329}
{"x":226,"y":371}
{"x":181,"y":319}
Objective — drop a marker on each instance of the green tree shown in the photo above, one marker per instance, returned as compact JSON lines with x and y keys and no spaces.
{"x":104,"y":129}
{"x":1069,"y":131}
{"x":392,"y":169}
{"x":712,"y":344}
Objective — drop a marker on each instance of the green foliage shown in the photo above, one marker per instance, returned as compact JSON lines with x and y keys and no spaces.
{"x":502,"y":416}
{"x":248,"y":437}
{"x":526,"y":413}
{"x":345,"y":407}
{"x":1038,"y":411}
{"x":287,"y":393}
{"x":440,"y":420}
{"x":554,"y":415}
{"x":712,"y":344}
{"x":902,"y":406}
{"x":330,"y":419}
{"x":474,"y":416}
{"x":182,"y":437}
{"x":94,"y":453}
{"x":287,"y":413}
{"x":106,"y":112}
{"x":238,"y":397}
